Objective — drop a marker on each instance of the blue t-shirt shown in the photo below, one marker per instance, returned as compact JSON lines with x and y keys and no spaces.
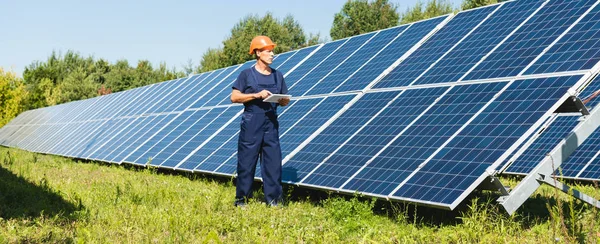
{"x":251,"y":81}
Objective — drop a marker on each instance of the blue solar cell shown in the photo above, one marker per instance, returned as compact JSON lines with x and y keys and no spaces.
{"x":54,"y":138}
{"x":204,"y":85}
{"x":74,"y":141}
{"x":72,"y":132}
{"x":375,"y":46}
{"x":301,"y":70}
{"x":530,"y":40}
{"x":180,"y":135}
{"x":419,"y":141}
{"x":141,"y":154}
{"x":118,"y":136}
{"x":578,"y":50}
{"x":389,"y":54}
{"x":329,"y":64}
{"x":434,"y":48}
{"x":223,"y":91}
{"x":280,"y":59}
{"x":220,"y":82}
{"x":294,"y":60}
{"x":480,"y":42}
{"x":349,"y":158}
{"x":462,"y":162}
{"x":550,"y":137}
{"x":144,"y":104}
{"x":311,"y":155}
{"x":117,"y":103}
{"x":140,"y":137}
{"x":174,"y":99}
{"x":100,"y":136}
{"x":187,"y":148}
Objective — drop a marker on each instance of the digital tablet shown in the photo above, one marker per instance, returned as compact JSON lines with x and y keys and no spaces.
{"x":274,"y":98}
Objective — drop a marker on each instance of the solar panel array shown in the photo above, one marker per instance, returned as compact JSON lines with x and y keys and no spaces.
{"x":422,"y":112}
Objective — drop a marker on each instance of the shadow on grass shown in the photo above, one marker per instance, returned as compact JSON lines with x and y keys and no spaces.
{"x":20,"y":198}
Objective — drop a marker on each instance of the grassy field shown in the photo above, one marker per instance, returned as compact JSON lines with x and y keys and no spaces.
{"x":53,"y":199}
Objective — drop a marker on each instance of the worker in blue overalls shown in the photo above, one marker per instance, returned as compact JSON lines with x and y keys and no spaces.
{"x":259,"y":129}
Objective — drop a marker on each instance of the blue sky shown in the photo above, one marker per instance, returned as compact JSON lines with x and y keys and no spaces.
{"x":169,"y":31}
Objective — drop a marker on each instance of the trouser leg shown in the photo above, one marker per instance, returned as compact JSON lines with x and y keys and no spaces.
{"x":249,"y":143}
{"x":271,"y":161}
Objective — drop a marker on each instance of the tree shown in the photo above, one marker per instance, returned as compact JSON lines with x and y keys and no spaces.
{"x":212,"y":59}
{"x":287,"y":33}
{"x":469,"y":4}
{"x":362,"y":16}
{"x":432,"y":9}
{"x":69,"y":77}
{"x":12,"y":95}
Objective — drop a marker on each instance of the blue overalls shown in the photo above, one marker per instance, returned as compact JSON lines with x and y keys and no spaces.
{"x":259,"y":136}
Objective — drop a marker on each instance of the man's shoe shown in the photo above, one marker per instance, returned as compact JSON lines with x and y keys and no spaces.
{"x":240,"y":203}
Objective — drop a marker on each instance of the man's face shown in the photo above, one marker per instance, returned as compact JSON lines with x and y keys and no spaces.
{"x":266,"y":55}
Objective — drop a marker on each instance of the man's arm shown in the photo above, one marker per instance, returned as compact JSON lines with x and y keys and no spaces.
{"x":239,"y":97}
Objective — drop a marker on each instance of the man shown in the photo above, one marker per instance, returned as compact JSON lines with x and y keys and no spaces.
{"x":259,"y":130}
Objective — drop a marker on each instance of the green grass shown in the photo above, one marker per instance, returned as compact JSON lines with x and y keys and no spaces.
{"x":53,"y":199}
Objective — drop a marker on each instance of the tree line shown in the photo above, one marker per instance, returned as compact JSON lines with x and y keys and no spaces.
{"x":69,"y":76}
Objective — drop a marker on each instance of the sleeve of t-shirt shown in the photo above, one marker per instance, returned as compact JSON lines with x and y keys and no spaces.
{"x":240,"y":83}
{"x":284,"y":89}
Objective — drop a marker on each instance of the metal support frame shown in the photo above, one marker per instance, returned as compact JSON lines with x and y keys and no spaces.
{"x":544,"y":171}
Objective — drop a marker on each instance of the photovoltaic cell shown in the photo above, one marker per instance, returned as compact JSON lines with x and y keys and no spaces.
{"x":182,"y":135}
{"x":348,"y":159}
{"x":217,"y":83}
{"x":446,"y":177}
{"x":578,"y":50}
{"x":289,"y":64}
{"x":157,"y":141}
{"x":311,"y":155}
{"x":434,"y":48}
{"x":329,"y":64}
{"x":479,"y":43}
{"x":310,"y":63}
{"x":531,"y":39}
{"x":423,"y":138}
{"x":357,"y":61}
{"x":188,"y":148}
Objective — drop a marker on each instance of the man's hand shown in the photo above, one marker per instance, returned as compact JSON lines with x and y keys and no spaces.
{"x":262,"y":94}
{"x":284,"y":101}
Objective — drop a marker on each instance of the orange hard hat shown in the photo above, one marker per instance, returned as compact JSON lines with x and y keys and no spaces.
{"x":260,"y":42}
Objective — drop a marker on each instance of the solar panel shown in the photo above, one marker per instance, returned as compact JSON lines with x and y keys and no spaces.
{"x":579,"y":49}
{"x":435,"y":47}
{"x":480,"y":42}
{"x":330,"y":63}
{"x":295,"y":75}
{"x":180,"y":149}
{"x":531,"y":40}
{"x":439,"y":114}
{"x":141,"y":154}
{"x":217,"y":83}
